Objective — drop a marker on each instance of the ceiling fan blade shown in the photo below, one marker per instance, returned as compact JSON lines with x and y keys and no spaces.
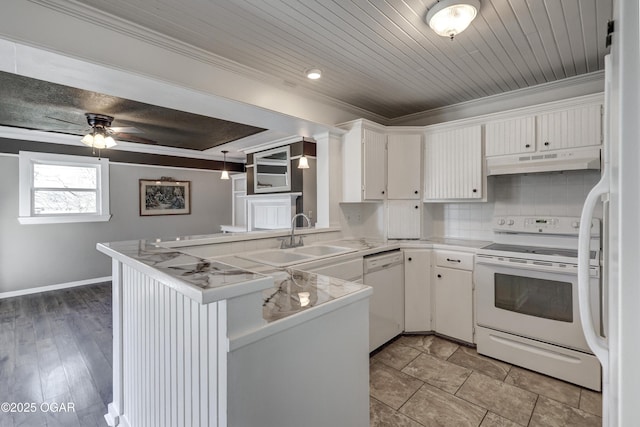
{"x":65,"y":121}
{"x":125,"y":129}
{"x":134,"y":138}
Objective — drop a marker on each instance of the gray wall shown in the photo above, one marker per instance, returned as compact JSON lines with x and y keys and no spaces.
{"x":40,"y":255}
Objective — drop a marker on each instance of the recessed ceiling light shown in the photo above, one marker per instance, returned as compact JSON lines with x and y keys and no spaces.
{"x":313,"y":73}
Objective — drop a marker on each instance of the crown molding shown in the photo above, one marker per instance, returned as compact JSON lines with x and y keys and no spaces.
{"x":584,"y":84}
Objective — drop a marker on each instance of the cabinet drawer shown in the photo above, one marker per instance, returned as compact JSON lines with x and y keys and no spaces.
{"x":459,"y":260}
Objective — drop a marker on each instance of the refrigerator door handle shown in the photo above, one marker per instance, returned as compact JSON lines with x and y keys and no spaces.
{"x":592,"y":335}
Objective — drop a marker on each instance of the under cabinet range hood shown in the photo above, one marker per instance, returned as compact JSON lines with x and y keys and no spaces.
{"x":561,"y":160}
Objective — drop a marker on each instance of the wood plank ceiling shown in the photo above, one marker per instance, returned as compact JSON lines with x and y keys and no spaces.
{"x":380,"y":55}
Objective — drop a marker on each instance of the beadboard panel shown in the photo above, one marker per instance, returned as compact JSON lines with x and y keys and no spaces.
{"x":173,"y":352}
{"x":511,"y":136}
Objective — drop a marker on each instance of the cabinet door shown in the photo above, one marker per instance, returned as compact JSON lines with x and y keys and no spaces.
{"x":417,"y":290}
{"x":404,"y":154}
{"x":374,"y":160}
{"x":453,"y":164}
{"x":404,"y":218}
{"x":574,"y":127}
{"x":511,"y":136}
{"x":453,"y":303}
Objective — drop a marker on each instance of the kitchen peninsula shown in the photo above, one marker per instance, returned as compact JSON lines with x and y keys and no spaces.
{"x":202,"y":342}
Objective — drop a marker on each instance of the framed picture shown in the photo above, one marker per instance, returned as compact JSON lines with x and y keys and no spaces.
{"x":165,"y":196}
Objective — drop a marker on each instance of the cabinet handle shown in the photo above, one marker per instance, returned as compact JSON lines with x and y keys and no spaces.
{"x":527,"y":146}
{"x":417,"y":207}
{"x":415,"y":192}
{"x":547,"y":143}
{"x":382,"y":191}
{"x":439,"y":276}
{"x":453,"y":260}
{"x":475,"y":190}
{"x":409,"y":259}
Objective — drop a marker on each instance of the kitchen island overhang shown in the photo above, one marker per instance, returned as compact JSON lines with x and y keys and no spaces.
{"x":201,"y":342}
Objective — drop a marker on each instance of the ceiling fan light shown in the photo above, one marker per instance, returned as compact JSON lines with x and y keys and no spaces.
{"x":110,"y":142}
{"x":98,"y":141}
{"x":448,"y":18}
{"x":87,"y":140}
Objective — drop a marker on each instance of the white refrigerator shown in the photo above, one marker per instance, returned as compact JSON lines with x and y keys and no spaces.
{"x":619,"y":189}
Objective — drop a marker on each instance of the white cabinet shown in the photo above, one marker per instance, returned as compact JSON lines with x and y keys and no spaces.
{"x":239,"y":205}
{"x":403,"y":219}
{"x":239,"y":212}
{"x":579,"y":126}
{"x":574,"y":127}
{"x":417,"y":290}
{"x":453,"y":295}
{"x":453,"y":164}
{"x":512,"y":136}
{"x":364,"y":163}
{"x":404,"y":155}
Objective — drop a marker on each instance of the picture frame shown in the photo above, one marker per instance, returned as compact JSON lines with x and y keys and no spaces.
{"x":165,"y":196}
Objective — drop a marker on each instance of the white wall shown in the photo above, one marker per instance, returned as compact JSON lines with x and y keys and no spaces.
{"x":559,"y":194}
{"x":39,"y":255}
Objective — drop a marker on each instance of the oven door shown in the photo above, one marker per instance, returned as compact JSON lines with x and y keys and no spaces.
{"x":535,"y":301}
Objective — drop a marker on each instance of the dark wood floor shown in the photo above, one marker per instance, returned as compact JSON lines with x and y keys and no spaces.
{"x":57,"y":347}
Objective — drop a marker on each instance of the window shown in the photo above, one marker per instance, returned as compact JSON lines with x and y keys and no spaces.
{"x":55,"y":188}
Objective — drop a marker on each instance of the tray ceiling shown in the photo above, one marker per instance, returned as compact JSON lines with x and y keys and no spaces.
{"x":35,"y":104}
{"x":380,"y":55}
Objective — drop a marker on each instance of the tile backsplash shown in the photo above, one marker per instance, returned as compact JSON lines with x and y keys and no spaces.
{"x":557,"y":193}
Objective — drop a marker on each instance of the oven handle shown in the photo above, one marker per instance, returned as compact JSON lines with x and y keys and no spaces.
{"x":597,"y":343}
{"x":480,"y":260}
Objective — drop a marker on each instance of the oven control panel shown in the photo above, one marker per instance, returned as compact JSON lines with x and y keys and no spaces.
{"x":560,"y":225}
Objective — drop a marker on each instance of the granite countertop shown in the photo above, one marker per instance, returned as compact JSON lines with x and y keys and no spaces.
{"x":204,"y":280}
{"x":295,"y":291}
{"x":286,"y":291}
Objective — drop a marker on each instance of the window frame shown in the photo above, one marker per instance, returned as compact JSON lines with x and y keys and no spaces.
{"x":27,"y":160}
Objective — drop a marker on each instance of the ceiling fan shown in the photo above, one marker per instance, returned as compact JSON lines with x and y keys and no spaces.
{"x":101,"y":134}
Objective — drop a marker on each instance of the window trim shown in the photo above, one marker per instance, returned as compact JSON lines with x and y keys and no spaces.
{"x":25,"y":210}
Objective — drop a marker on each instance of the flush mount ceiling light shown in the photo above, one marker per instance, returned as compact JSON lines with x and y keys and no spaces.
{"x":313,"y":73}
{"x":451,"y":17}
{"x":100,"y":135}
{"x":225,"y":174}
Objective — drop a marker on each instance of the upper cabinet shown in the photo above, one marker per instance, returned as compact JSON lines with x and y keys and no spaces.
{"x":513,"y":136}
{"x":364,"y":173}
{"x":574,"y":127}
{"x":453,"y":164}
{"x":404,"y":154}
{"x":579,"y":126}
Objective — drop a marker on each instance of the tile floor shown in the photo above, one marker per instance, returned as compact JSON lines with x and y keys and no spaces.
{"x":56,"y":347}
{"x":424,"y":380}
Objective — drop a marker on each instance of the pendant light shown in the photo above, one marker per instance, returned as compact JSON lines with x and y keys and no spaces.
{"x":303,"y":163}
{"x":225,"y":174}
{"x":451,"y":17}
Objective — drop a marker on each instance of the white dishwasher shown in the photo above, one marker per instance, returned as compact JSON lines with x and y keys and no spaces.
{"x":385,"y":274}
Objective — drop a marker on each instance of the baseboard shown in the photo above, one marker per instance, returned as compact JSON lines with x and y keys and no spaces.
{"x":38,"y":289}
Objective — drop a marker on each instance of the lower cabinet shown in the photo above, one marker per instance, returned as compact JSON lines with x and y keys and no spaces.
{"x":417,"y":290}
{"x":453,"y":295}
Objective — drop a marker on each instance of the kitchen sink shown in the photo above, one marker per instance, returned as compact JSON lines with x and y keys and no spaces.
{"x":287,"y":257}
{"x":322,"y":250}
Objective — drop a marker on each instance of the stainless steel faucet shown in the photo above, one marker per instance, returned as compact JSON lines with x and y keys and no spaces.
{"x":292,"y":242}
